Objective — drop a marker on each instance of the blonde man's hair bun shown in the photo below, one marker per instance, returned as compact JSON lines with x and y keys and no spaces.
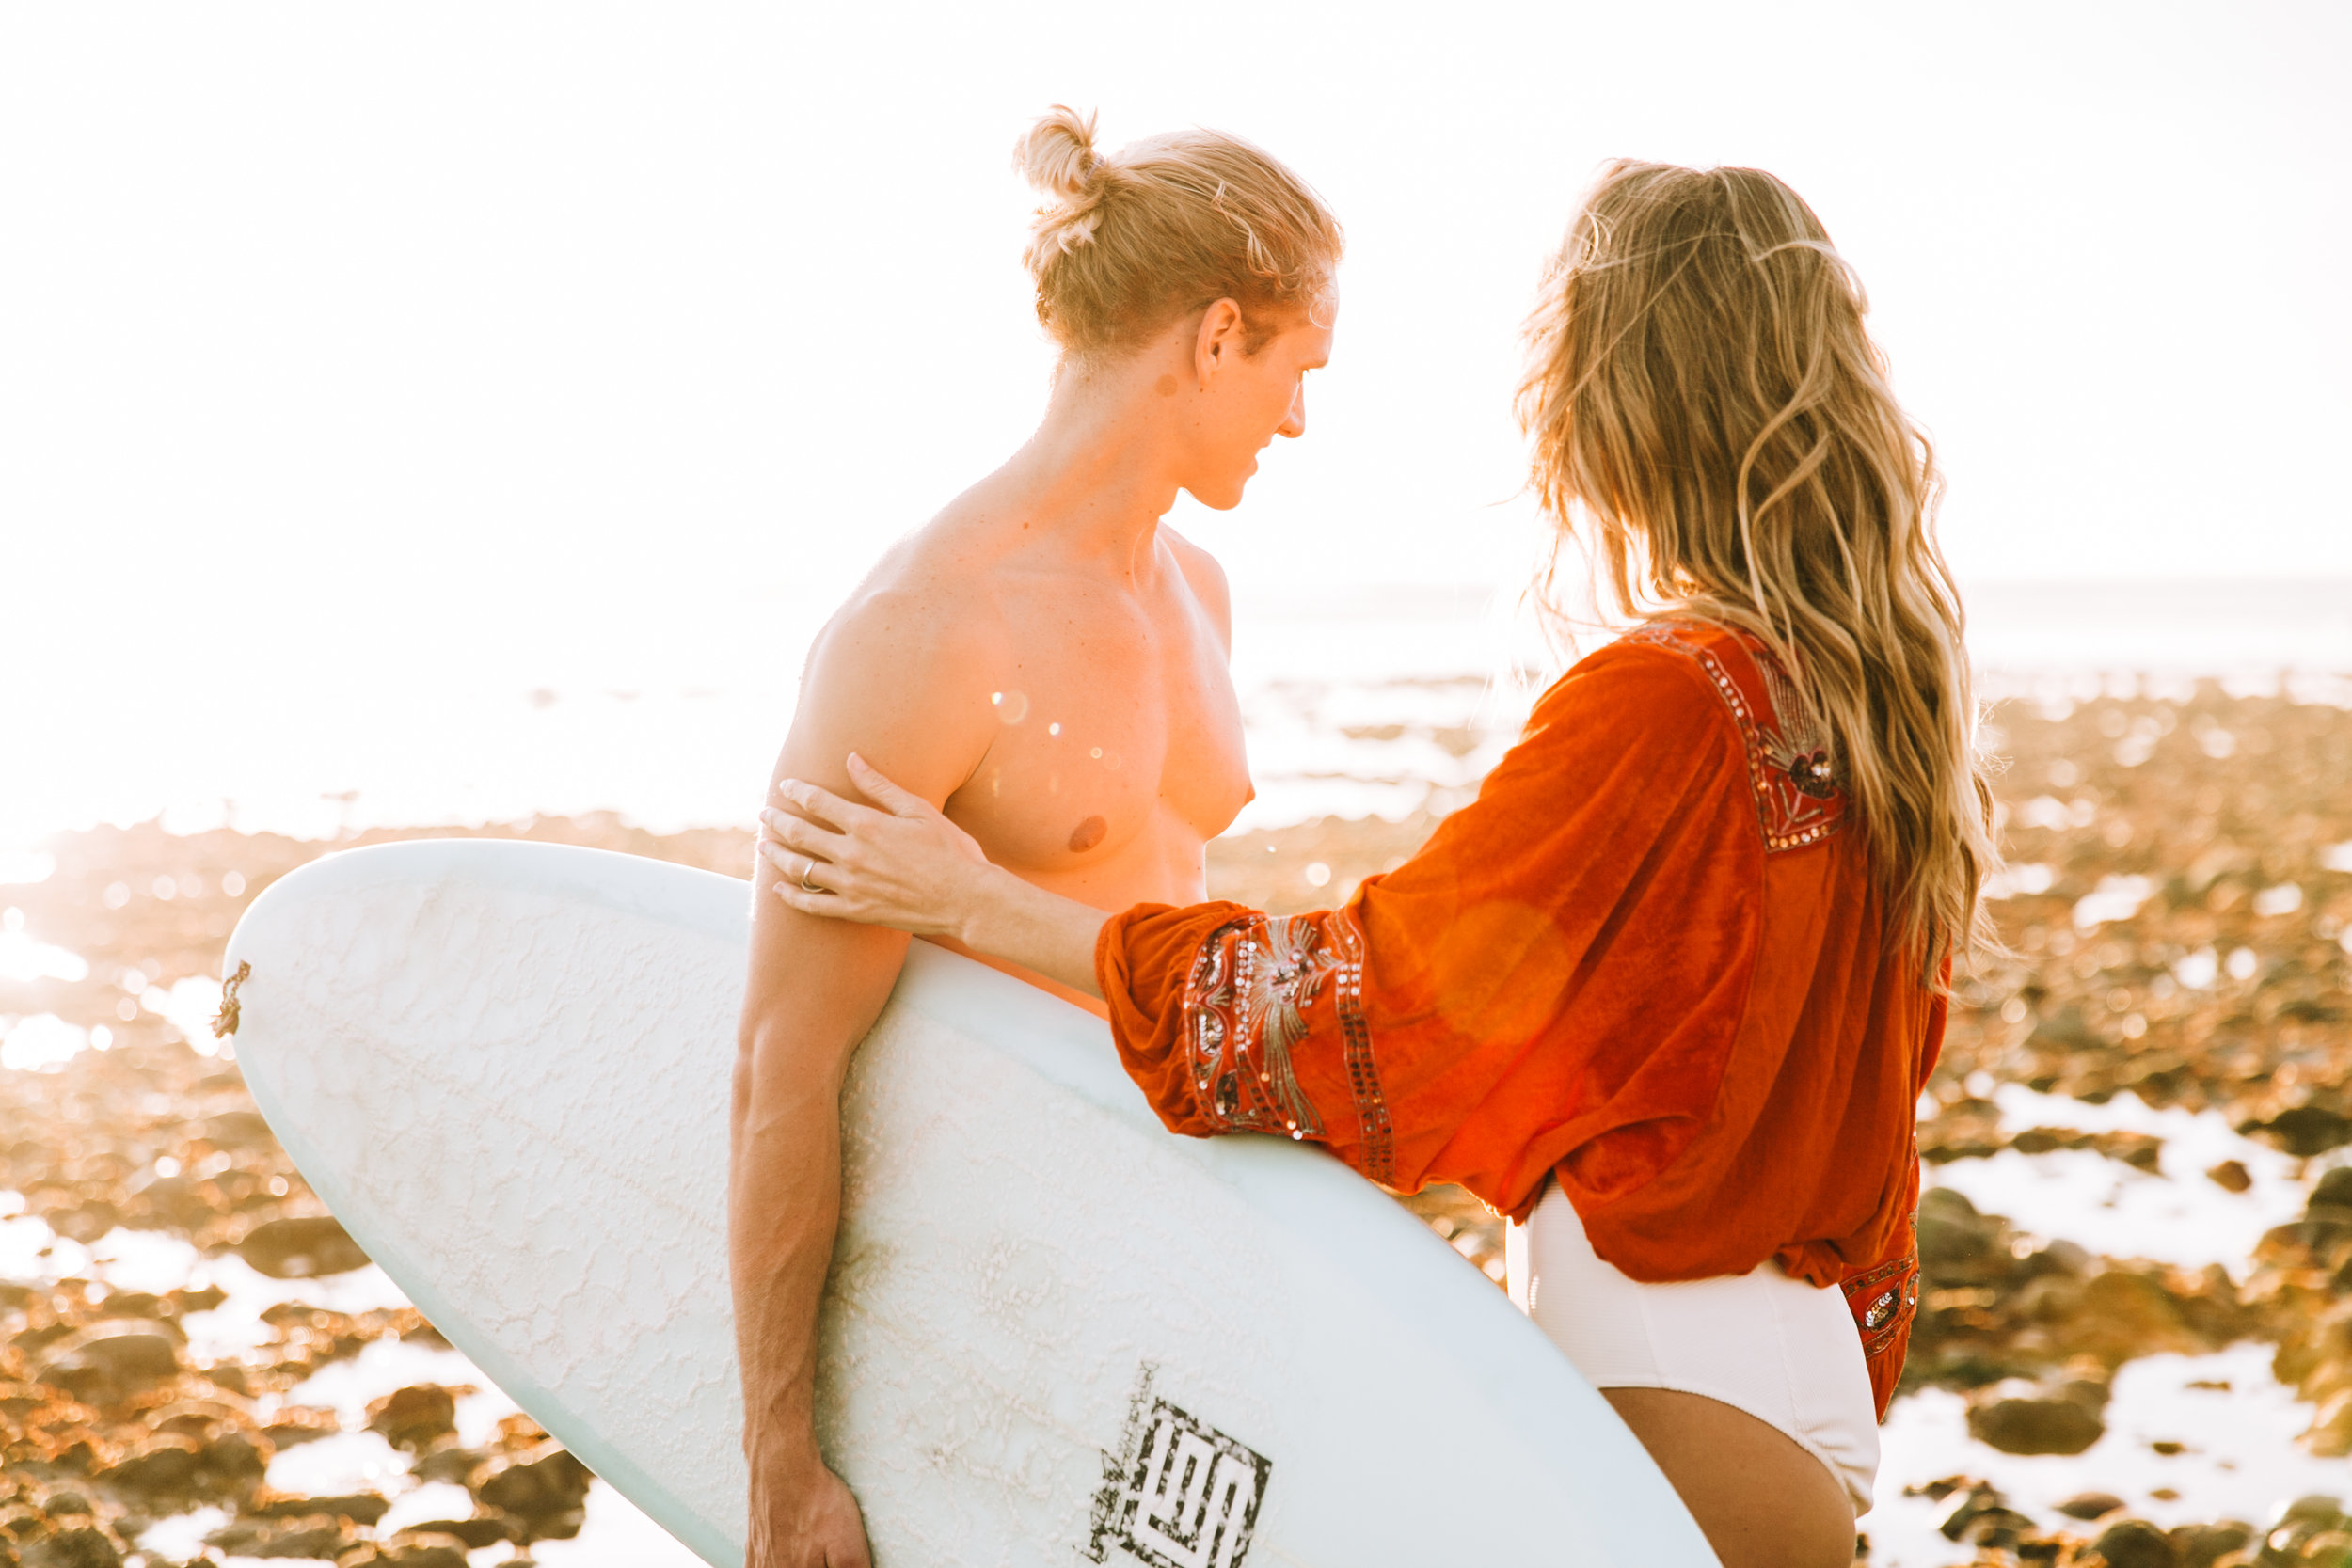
{"x":1058,"y":155}
{"x":1123,"y":244}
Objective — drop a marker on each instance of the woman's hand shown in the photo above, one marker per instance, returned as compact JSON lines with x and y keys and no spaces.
{"x":903,"y":865}
{"x":906,"y":865}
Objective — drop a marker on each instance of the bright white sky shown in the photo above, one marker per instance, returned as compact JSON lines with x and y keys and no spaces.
{"x":562,"y":342}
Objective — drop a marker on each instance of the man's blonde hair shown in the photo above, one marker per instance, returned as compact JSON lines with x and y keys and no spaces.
{"x":1702,"y":394}
{"x":1129,"y":241}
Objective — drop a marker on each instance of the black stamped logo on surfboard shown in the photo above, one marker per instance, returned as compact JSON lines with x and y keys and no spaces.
{"x":1179,"y":1494}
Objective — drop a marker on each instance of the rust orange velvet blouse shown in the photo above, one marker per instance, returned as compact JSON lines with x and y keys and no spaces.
{"x":1648,"y":961}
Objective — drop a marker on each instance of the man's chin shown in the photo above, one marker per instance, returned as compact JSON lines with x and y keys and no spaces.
{"x":1216,"y":500}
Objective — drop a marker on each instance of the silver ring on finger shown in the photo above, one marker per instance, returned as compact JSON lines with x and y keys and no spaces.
{"x":808,"y":865}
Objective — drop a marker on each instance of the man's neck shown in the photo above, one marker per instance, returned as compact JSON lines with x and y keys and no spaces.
{"x":1096,"y":472}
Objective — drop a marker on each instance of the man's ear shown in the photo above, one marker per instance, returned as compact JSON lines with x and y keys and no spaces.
{"x":1219,"y":341}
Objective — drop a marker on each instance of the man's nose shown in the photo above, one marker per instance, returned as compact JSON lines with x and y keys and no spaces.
{"x":1294,"y":423}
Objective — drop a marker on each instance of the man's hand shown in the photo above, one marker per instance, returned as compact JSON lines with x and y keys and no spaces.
{"x":804,"y":1517}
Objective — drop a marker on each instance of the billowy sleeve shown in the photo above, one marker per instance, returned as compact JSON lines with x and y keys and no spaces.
{"x":1555,"y":980}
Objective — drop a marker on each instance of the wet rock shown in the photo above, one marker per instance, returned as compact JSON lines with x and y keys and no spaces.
{"x":84,"y":1547}
{"x":2027,"y":1420}
{"x":2312,"y":1508}
{"x":234,"y":1462}
{"x":1954,"y":1240}
{"x":85,"y":1222}
{"x":301,"y":1423}
{"x":2203,"y":1546}
{"x":239,"y":1129}
{"x":230,"y":1376}
{"x":475,"y":1533}
{"x":110,"y":1361}
{"x":301,"y":1249}
{"x":416,"y":1416}
{"x":2134,"y":1543}
{"x":2231,"y":1176}
{"x":2090,"y":1504}
{"x":420,"y":1551}
{"x":2302,"y":1130}
{"x":424,"y":1333}
{"x":168,"y":1469}
{"x":177,"y":1202}
{"x":2065,"y":1030}
{"x":246,"y":1538}
{"x":2062,"y":1258}
{"x":545,"y":1488}
{"x":360,"y":1507}
{"x":1984,"y":1518}
{"x":198,"y":1300}
{"x":2334,"y":1190}
{"x":454,"y":1465}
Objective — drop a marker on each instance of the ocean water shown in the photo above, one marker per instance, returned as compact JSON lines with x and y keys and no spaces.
{"x":1368,"y":702}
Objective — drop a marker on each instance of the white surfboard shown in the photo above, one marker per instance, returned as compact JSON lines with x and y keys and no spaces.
{"x":1054,"y":1331}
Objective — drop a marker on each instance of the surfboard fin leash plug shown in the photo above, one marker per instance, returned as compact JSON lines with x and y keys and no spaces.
{"x":225,"y":1021}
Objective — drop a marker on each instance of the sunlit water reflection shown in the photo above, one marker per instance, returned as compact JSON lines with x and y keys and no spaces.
{"x":1361,"y":701}
{"x":2180,"y":1216}
{"x":2239,"y":1461}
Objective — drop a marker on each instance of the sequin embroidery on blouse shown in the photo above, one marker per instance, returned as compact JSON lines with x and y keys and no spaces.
{"x":1245,"y":1009}
{"x":1882,"y":1300}
{"x":1792,"y":770}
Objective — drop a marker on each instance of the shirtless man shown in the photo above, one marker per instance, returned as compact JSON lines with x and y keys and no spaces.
{"x":1047,"y":661}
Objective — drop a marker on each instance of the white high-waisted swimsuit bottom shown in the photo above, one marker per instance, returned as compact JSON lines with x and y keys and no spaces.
{"x":1783,"y":1350}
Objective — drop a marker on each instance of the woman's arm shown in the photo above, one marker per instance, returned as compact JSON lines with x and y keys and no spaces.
{"x":904,"y":866}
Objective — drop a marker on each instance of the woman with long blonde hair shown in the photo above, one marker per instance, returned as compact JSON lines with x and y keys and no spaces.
{"x":1668,"y":991}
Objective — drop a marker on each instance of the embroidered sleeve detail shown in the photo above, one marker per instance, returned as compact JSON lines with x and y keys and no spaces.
{"x":1792,"y":772}
{"x":1246,"y":1005}
{"x":1374,"y":1130}
{"x":1882,"y":1300}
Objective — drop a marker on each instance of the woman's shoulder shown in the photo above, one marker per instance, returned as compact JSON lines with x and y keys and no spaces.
{"x":1682,"y":677}
{"x":1666,"y":672}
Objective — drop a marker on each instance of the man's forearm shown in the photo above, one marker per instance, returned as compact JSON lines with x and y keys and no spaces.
{"x":784,"y":1206}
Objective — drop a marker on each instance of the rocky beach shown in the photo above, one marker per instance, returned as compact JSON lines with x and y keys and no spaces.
{"x":2133,"y":1348}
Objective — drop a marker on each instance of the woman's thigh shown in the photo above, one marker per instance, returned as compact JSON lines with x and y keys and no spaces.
{"x":1762,"y":1500}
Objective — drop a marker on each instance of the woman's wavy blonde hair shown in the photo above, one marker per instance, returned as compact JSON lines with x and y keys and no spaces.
{"x":1702,"y":394}
{"x":1131,"y":240}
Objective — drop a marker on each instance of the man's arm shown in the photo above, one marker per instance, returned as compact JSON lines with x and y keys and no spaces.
{"x":884,"y":678}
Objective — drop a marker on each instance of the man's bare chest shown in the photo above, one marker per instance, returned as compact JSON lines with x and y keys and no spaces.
{"x":1106,"y":728}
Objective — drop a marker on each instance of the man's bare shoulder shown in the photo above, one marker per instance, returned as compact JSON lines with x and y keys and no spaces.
{"x":902,"y":674}
{"x":1205,"y":578}
{"x":927,"y":604}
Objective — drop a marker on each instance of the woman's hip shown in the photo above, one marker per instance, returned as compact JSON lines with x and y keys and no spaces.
{"x":1777,"y":1348}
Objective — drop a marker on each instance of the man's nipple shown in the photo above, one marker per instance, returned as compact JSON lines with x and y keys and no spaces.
{"x":1087,"y":834}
